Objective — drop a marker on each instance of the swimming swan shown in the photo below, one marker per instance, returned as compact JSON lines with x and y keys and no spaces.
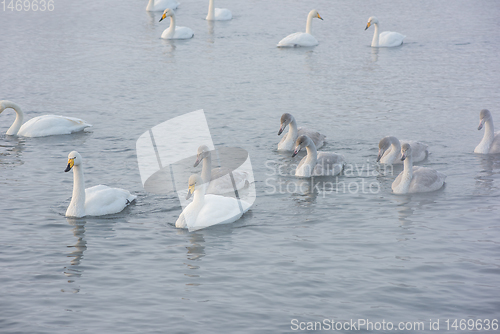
{"x":314,"y":163}
{"x":41,"y":126}
{"x":94,"y":201}
{"x":208,"y":210}
{"x":302,"y":38}
{"x":218,"y":14}
{"x":416,"y":179}
{"x":390,"y":150}
{"x":220,"y":181}
{"x":491,"y":140}
{"x":288,"y":141}
{"x":385,"y":39}
{"x":173,"y":32}
{"x":159,"y":5}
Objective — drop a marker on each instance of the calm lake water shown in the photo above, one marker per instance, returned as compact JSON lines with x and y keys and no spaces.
{"x":299,"y":253}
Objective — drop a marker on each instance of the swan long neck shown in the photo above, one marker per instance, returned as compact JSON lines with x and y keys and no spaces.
{"x":211,"y":10}
{"x":77,"y":206}
{"x":199,"y":196}
{"x":311,"y":158}
{"x":395,"y":151}
{"x":14,"y":128}
{"x":489,"y":133}
{"x":407,"y":173}
{"x":151,"y":5}
{"x":292,"y":131}
{"x":375,"y":35}
{"x":206,"y":170}
{"x":309,"y":23}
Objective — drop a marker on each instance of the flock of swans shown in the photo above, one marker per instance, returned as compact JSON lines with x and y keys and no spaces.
{"x":305,"y":39}
{"x":209,"y":205}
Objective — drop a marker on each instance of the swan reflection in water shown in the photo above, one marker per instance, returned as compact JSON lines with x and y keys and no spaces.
{"x":485,"y":178}
{"x":77,"y":250}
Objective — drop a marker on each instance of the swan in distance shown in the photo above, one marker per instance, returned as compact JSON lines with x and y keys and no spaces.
{"x":490,"y":144}
{"x":173,"y":31}
{"x":41,"y":126}
{"x":218,"y":14}
{"x":218,"y":179}
{"x":94,"y":201}
{"x":287,"y":143}
{"x":385,"y":39}
{"x":390,"y":150}
{"x":416,"y":179}
{"x":208,"y":210}
{"x":302,"y":38}
{"x":314,"y":163}
{"x":160,"y":5}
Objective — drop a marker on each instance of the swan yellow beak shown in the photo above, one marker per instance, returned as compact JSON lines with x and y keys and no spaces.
{"x":162,"y":17}
{"x":368,"y":25}
{"x":319,"y":17}
{"x":71,"y":163}
{"x":190,"y":191}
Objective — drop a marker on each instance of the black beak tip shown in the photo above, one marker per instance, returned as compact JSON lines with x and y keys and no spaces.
{"x":366,"y":28}
{"x":279,"y":132}
{"x":67,"y":169}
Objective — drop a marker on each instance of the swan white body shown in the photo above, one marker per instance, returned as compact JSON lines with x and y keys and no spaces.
{"x":218,"y":179}
{"x":415,"y":179}
{"x":390,"y":150}
{"x":490,"y":144}
{"x":173,"y":31}
{"x":161,"y":5}
{"x":41,"y":126}
{"x":218,"y":14}
{"x":317,"y":164}
{"x":302,"y":38}
{"x":95,"y":201}
{"x":208,"y":210}
{"x":386,"y":39}
{"x":287,"y":143}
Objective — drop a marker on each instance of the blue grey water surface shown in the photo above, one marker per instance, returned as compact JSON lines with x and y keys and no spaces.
{"x":299,"y":253}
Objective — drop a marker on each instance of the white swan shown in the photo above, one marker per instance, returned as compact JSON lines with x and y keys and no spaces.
{"x":302,"y":38}
{"x":94,"y":201}
{"x":416,"y":179}
{"x":174,"y":32}
{"x":390,"y":150}
{"x":159,"y":5}
{"x":386,"y":39}
{"x":218,"y":14}
{"x":491,"y":140}
{"x":41,"y":126}
{"x":218,"y":178}
{"x":314,"y":163}
{"x":208,"y":210}
{"x":287,"y":143}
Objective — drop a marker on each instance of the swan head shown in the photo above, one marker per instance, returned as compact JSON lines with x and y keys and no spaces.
{"x":314,"y":13}
{"x":167,"y":12}
{"x":405,"y":151}
{"x":74,"y":159}
{"x":484,"y":115}
{"x":203,"y":152}
{"x":371,"y":20}
{"x":300,"y":143}
{"x":286,"y":119}
{"x":194,"y":181}
{"x":383,"y":146}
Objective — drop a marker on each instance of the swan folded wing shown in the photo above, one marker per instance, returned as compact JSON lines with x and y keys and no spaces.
{"x":298,"y":39}
{"x":221,"y":182}
{"x":495,"y":145}
{"x":329,"y":164}
{"x":426,"y":179}
{"x":103,"y":200}
{"x":217,"y":210}
{"x":317,"y":138}
{"x":183,"y":33}
{"x":49,"y":125}
{"x":390,"y":39}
